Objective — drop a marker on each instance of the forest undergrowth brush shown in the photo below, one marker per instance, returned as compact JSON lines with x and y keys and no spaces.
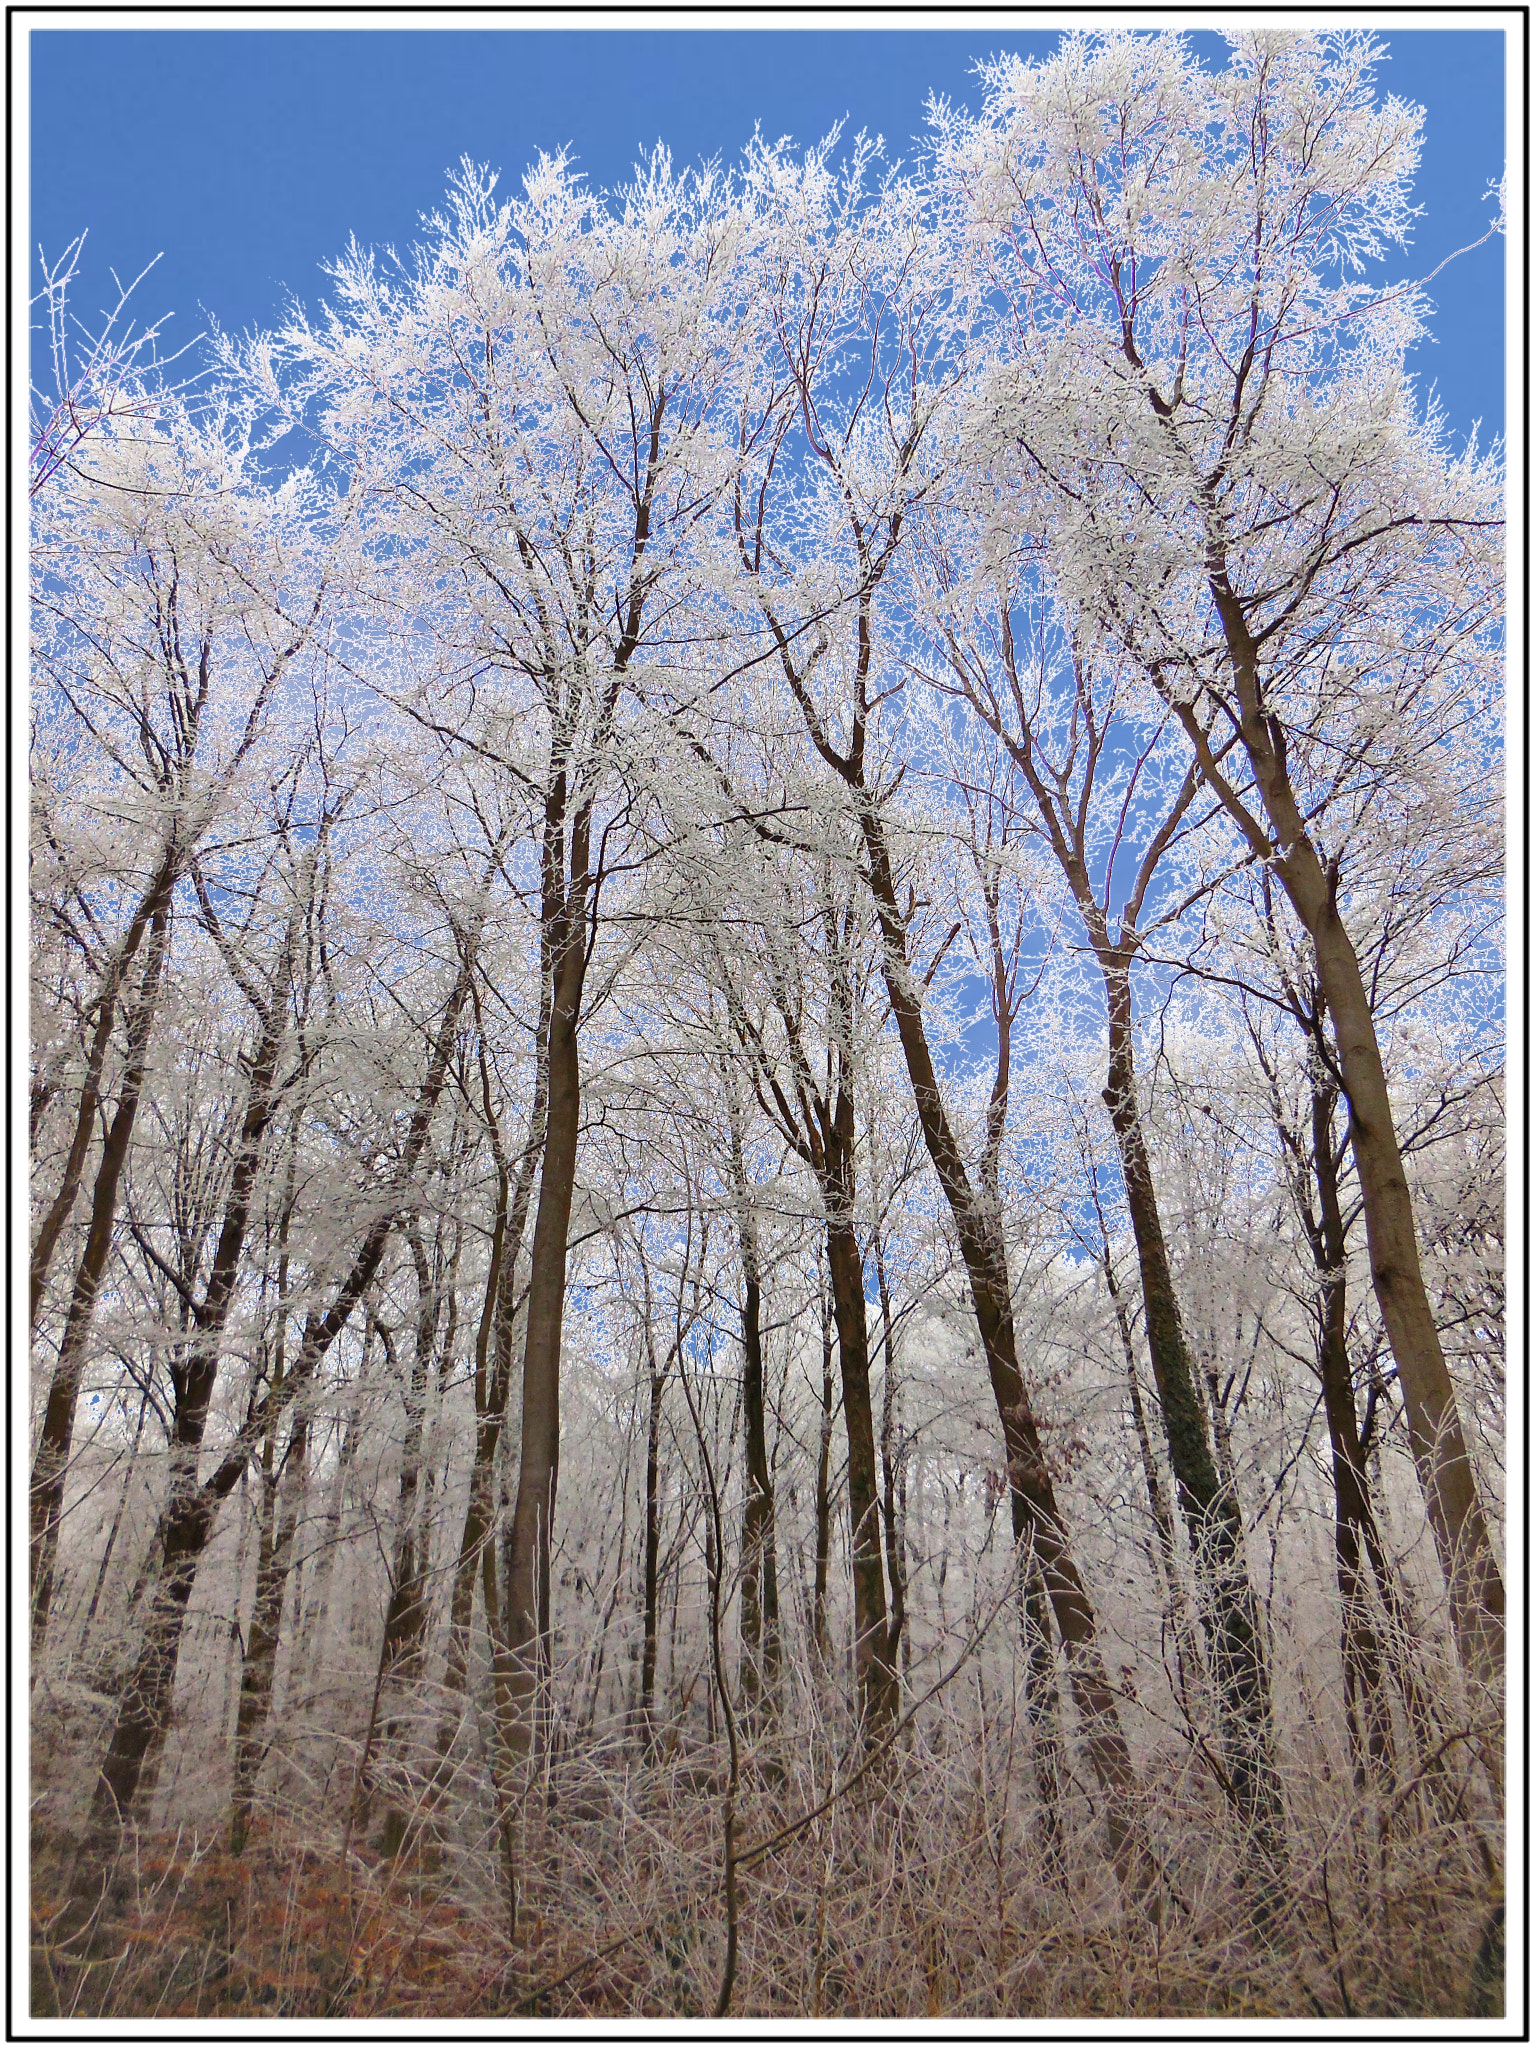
{"x":931,"y":1887}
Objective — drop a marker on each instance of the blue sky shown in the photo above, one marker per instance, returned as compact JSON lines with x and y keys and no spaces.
{"x":250,"y":156}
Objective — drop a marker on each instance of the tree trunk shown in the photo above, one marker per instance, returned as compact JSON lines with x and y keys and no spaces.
{"x":317,"y":1606}
{"x":527,"y":1615}
{"x":492,"y":1378}
{"x":117,"y":1522}
{"x":1044,"y":1710}
{"x":1161,"y":1517}
{"x":1036,"y":1517}
{"x":494,"y":1343}
{"x":652,"y":1586}
{"x":1433,"y":1418}
{"x":282,"y":1511}
{"x":877,"y":1685}
{"x":759,"y":1564}
{"x":281,"y":1502}
{"x":50,"y":1466}
{"x":399,"y":1654}
{"x":1211,"y":1512}
{"x":819,"y":1634}
{"x":1355,"y":1534}
{"x":151,"y":915}
{"x":191,"y":1510}
{"x":565,"y":946}
{"x":895,"y":1563}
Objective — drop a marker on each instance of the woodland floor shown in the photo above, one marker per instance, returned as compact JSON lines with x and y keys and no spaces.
{"x":905,"y":1906}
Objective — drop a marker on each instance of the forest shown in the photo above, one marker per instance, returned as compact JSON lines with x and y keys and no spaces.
{"x":767,"y":1095}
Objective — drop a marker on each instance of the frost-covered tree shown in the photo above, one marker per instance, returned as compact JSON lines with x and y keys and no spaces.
{"x":1233,"y":475}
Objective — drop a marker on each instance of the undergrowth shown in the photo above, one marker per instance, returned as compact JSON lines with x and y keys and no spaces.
{"x":927,"y":1892}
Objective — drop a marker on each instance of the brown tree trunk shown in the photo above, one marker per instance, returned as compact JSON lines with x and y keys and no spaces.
{"x":1161,"y":1516}
{"x":494,"y":1342}
{"x":651,"y":1591}
{"x":877,"y":1684}
{"x":1433,"y":1418}
{"x":282,"y":1511}
{"x":526,"y":1610}
{"x":51,"y":1463}
{"x":1355,"y":1532}
{"x":152,"y":912}
{"x":829,"y":1140}
{"x":312,"y":1632}
{"x":407,"y":1611}
{"x":1165,"y":1547}
{"x":191,"y":1509}
{"x":759,"y":1564}
{"x":490,"y":1390}
{"x":1238,"y":1666}
{"x":281,"y":1503}
{"x":819,"y":1633}
{"x":1037,"y":1523}
{"x":399,"y":1654}
{"x":116,"y":1528}
{"x":895,"y":1542}
{"x":1044,"y":1711}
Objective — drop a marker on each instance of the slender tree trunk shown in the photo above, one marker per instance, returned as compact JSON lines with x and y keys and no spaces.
{"x":527,"y":1590}
{"x":877,"y":1684}
{"x":1044,"y":1710}
{"x":1161,"y":1515}
{"x":1367,"y":1711}
{"x":494,"y":1344}
{"x":567,"y":924}
{"x":282,"y":1511}
{"x":587,"y":1719}
{"x":490,"y":1388}
{"x":895,"y":1563}
{"x":281,"y":1499}
{"x":1211,"y":1512}
{"x":1433,"y":1418}
{"x":759,"y":1564}
{"x":151,"y":915}
{"x":1216,"y":1398}
{"x":903,"y":1552}
{"x":317,"y":1607}
{"x":405,"y":1616}
{"x":819,"y":1633}
{"x":117,"y":1522}
{"x":1165,"y":1547}
{"x":503,"y":1752}
{"x":51,"y":1463}
{"x":652,"y":1587}
{"x":407,"y":1611}
{"x":191,"y":1509}
{"x":565,"y":943}
{"x":1037,"y":1521}
{"x":759,"y":1560}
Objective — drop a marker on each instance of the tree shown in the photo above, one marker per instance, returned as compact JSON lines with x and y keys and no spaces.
{"x":1230,"y":473}
{"x":592,"y":1109}
{"x":803,"y":1051}
{"x":1116,"y":806}
{"x":851,"y":285}
{"x":173,"y":593}
{"x":192,"y":1502}
{"x":541,"y":399}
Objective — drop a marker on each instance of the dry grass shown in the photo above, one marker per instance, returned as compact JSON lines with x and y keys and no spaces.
{"x":924,"y":1893}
